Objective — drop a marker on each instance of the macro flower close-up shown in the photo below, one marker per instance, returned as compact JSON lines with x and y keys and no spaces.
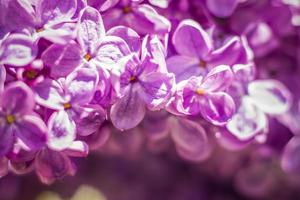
{"x":149,"y":99}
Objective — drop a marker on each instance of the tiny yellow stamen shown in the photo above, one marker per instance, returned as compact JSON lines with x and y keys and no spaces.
{"x":87,"y":57}
{"x":127,"y":9}
{"x":132,"y":79}
{"x":202,"y":64}
{"x":200,"y":91}
{"x":10,"y":119}
{"x":31,"y":74}
{"x":67,"y":106}
{"x":38,"y":30}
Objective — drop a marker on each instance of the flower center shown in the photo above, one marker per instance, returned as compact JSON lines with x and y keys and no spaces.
{"x":10,"y":119}
{"x":132,"y":79}
{"x":127,"y":9}
{"x":87,"y":57}
{"x":38,"y":30}
{"x":202,"y":64}
{"x":30,"y":74}
{"x":200,"y":91}
{"x":67,"y":106}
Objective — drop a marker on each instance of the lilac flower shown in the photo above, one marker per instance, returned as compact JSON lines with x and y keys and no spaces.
{"x":69,"y":97}
{"x":52,"y":165}
{"x":142,"y":85}
{"x":264,"y":97}
{"x":18,"y":120}
{"x":205,"y":95}
{"x":95,"y":49}
{"x":47,"y":19}
{"x":141,"y":17}
{"x":196,"y":52}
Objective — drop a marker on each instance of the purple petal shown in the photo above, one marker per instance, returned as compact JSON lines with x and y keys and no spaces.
{"x":17,"y":50}
{"x":3,"y":166}
{"x":270,"y":96}
{"x":55,"y":10}
{"x":221,"y":8}
{"x":77,"y":149}
{"x":132,"y":39}
{"x":145,"y":19}
{"x":51,"y":165}
{"x":81,"y":4}
{"x":129,"y":111}
{"x":248,"y":122}
{"x":110,"y":51}
{"x":90,"y":28}
{"x":49,"y":93}
{"x":31,"y":130}
{"x":62,"y":59}
{"x":103,"y":5}
{"x":17,"y":98}
{"x":6,"y":140}
{"x":61,"y":34}
{"x":218,"y":79}
{"x":157,"y":89}
{"x":99,"y":138}
{"x":232,"y":52}
{"x":62,"y":131}
{"x":191,"y":40}
{"x":184,"y":67}
{"x":2,"y":78}
{"x":218,"y":108}
{"x":81,"y":85}
{"x":18,"y":15}
{"x":290,"y":159}
{"x":190,"y":139}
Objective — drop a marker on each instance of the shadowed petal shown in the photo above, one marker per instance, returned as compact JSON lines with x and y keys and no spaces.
{"x":221,"y":8}
{"x":6,"y":140}
{"x":290,"y":159}
{"x":51,"y":165}
{"x":62,"y":59}
{"x":184,"y":67}
{"x":190,"y":139}
{"x":49,"y":94}
{"x":32,"y":132}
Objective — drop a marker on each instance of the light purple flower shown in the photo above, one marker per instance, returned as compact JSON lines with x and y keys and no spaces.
{"x":264,"y":97}
{"x":141,"y":17}
{"x":18,"y":121}
{"x":47,"y":19}
{"x":206,"y":95}
{"x":221,"y":8}
{"x":69,"y":97}
{"x":197,"y":54}
{"x":142,"y":85}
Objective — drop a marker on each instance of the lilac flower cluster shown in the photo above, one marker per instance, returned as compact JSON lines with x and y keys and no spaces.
{"x":77,"y":74}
